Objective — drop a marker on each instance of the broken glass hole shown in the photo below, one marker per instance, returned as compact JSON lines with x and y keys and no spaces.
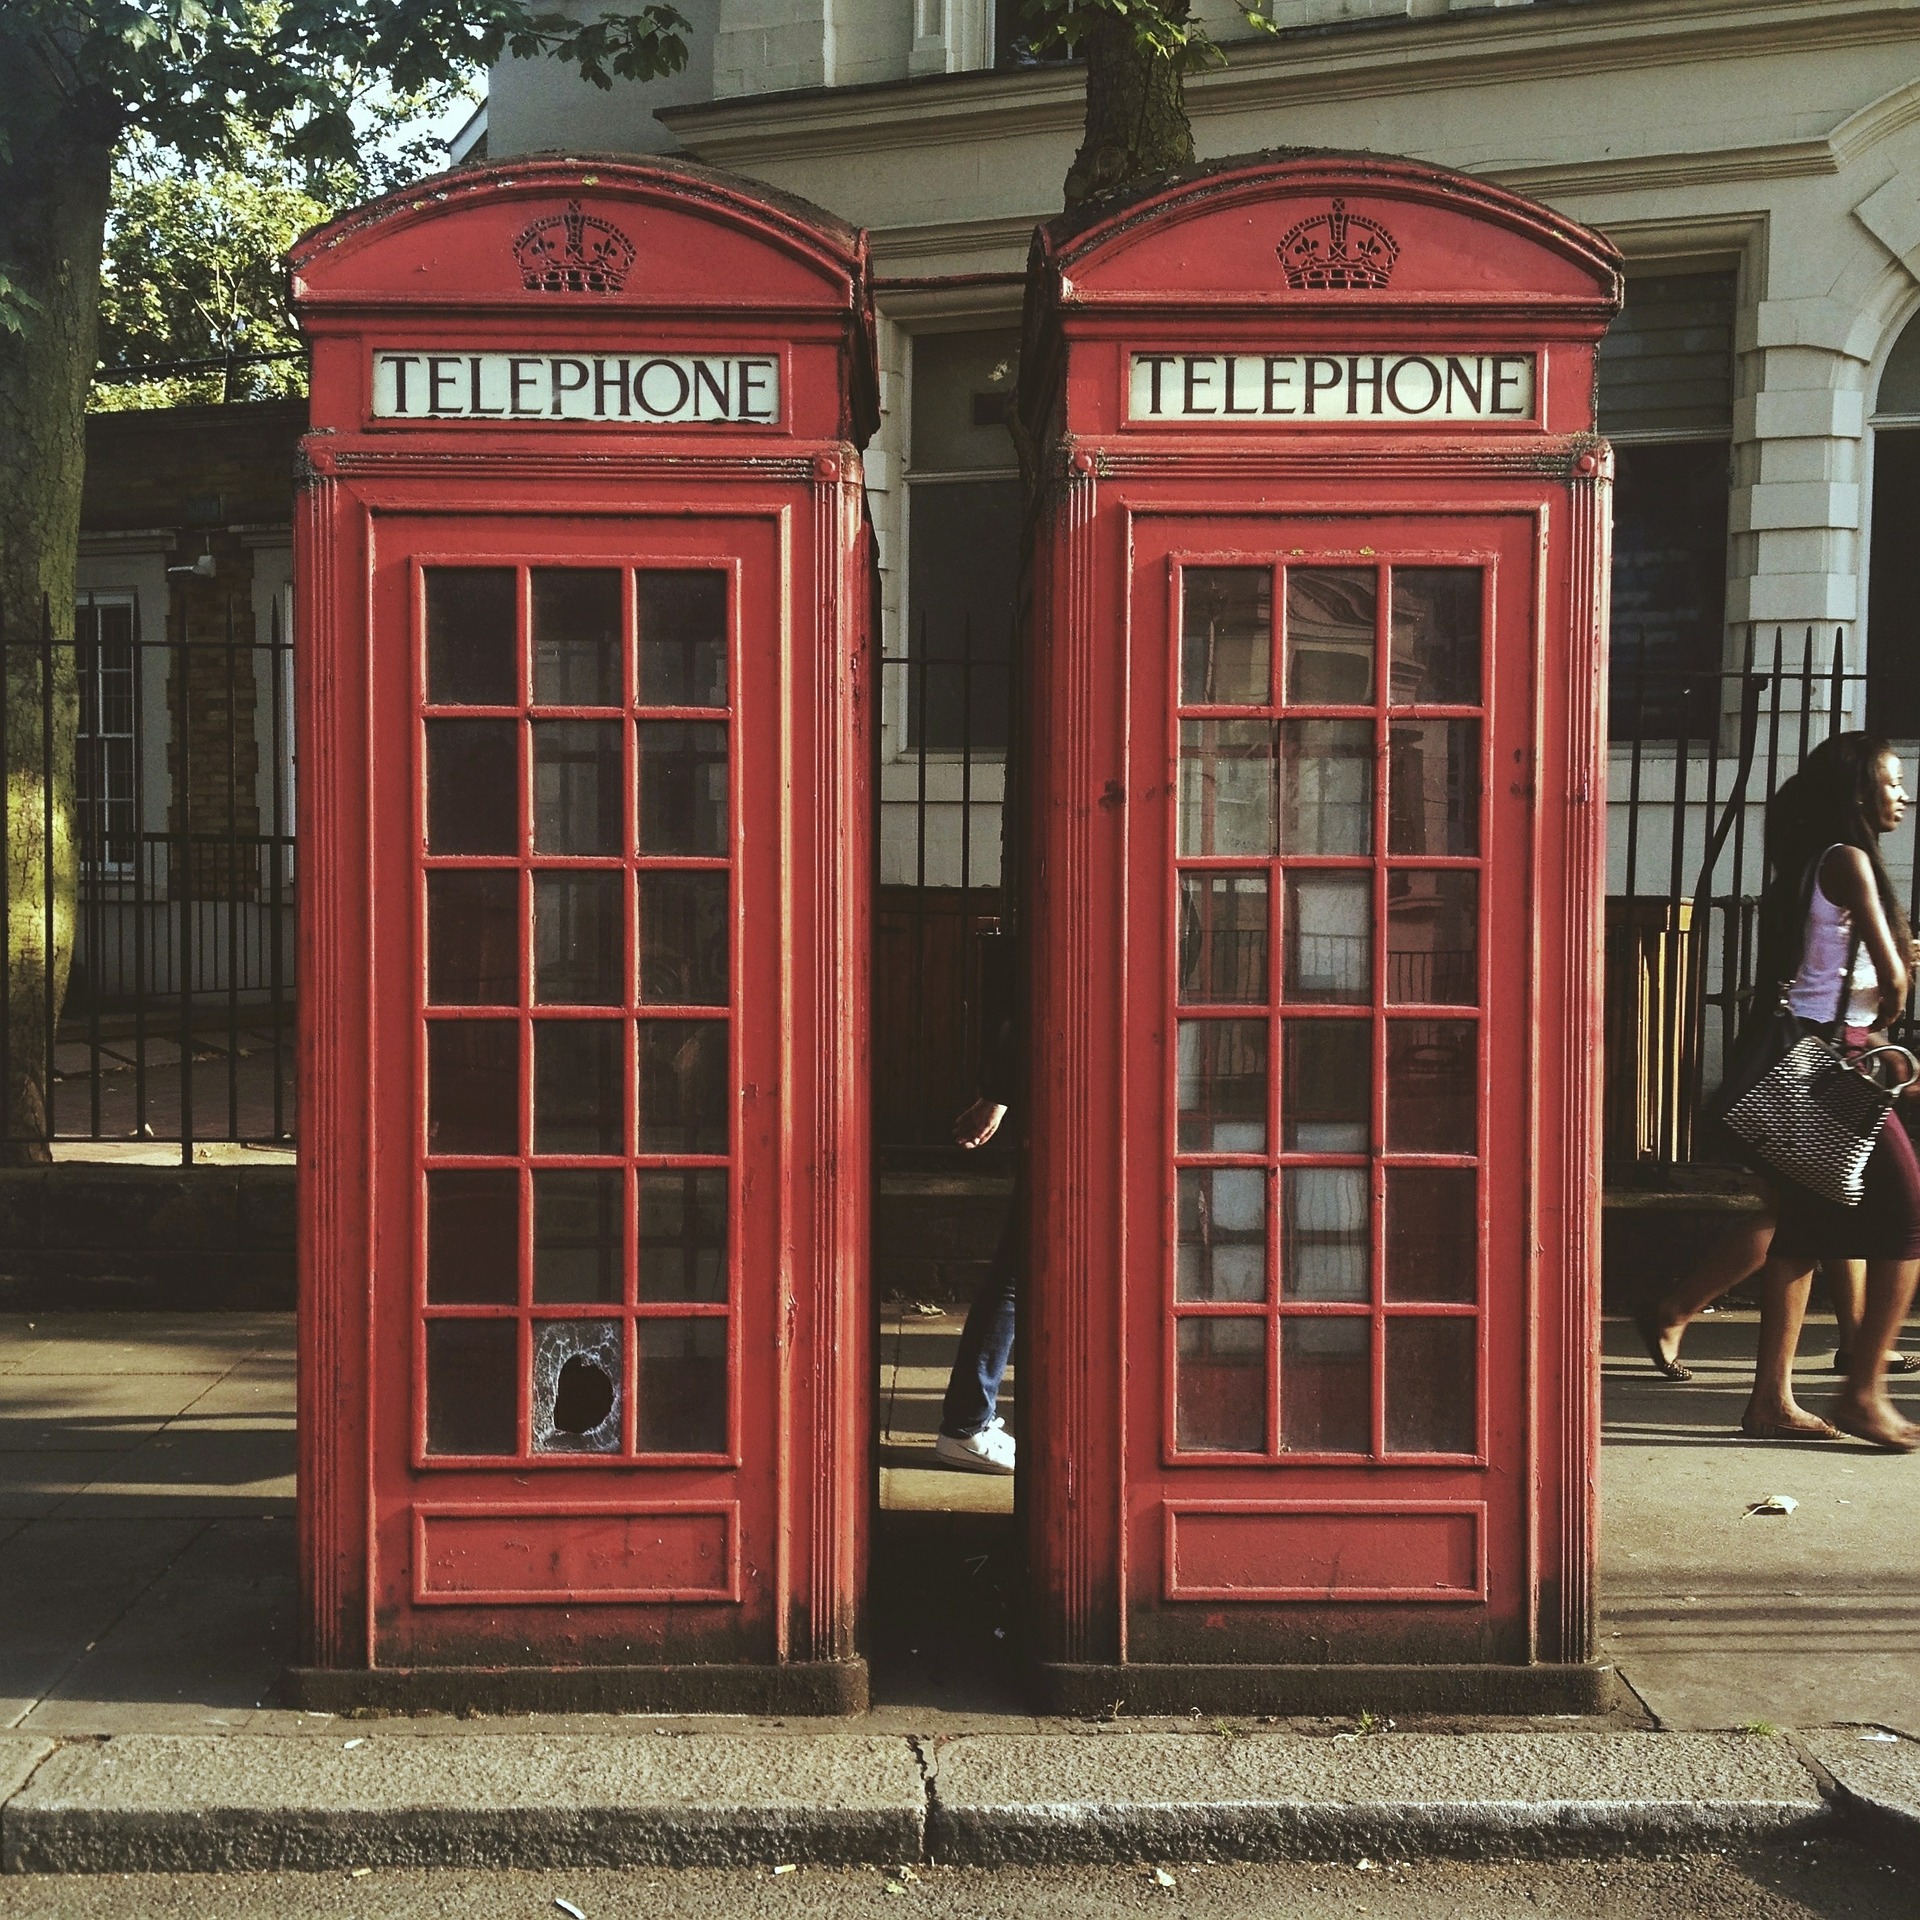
{"x":576,"y":1387}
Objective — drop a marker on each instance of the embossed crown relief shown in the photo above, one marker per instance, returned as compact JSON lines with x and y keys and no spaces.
{"x":573,"y":252}
{"x":1338,"y":250}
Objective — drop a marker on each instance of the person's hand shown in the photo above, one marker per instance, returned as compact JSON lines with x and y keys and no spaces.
{"x":979,"y":1123}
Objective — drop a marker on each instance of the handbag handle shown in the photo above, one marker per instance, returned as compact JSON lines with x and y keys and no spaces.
{"x":1858,"y":1064}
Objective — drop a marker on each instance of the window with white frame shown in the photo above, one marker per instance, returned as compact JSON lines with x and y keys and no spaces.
{"x":1893,"y":580}
{"x":105,"y":770}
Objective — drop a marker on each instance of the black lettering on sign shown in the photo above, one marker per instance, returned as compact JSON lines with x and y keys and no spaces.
{"x":1333,"y":388}
{"x":586,"y":389}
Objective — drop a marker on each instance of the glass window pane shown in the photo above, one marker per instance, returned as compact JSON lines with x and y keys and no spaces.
{"x":1433,"y":949}
{"x":1433,"y":794}
{"x":683,"y":1386}
{"x":577,"y":790}
{"x":683,"y":787}
{"x":1326,"y":1101}
{"x":579,"y":1233}
{"x":1326,"y":786}
{"x":576,"y":636}
{"x":1222,"y":1086}
{"x":1223,"y":937}
{"x":1222,"y":1229}
{"x":683,"y":639}
{"x":473,"y":786}
{"x":1329,"y":937}
{"x":473,"y":938}
{"x":578,"y":939}
{"x":1326,"y":1384}
{"x":683,"y":939}
{"x":473,"y":1086}
{"x":1226,"y":786}
{"x":1323,"y":1226}
{"x":470,"y":637}
{"x":1432,"y":1242}
{"x":577,"y":1369}
{"x":1436,"y":636}
{"x":1432,"y":1373}
{"x":684,"y":1086}
{"x":1331,"y":616}
{"x":683,"y":1233}
{"x":577,"y":1086}
{"x":473,"y":1236}
{"x":473,"y":1386}
{"x":1220,"y":1386}
{"x":1226,"y":636}
{"x":1430,"y":1086}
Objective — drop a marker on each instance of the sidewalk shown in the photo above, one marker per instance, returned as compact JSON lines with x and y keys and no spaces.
{"x":146,"y":1611}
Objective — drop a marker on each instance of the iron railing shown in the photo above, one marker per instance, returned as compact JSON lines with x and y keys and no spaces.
{"x":176,"y":815}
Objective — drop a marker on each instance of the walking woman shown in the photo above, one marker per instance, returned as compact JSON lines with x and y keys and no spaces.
{"x":1848,"y":794}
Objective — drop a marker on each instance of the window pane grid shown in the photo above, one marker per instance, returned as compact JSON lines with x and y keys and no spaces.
{"x":599,"y":1348}
{"x":1413,"y":979}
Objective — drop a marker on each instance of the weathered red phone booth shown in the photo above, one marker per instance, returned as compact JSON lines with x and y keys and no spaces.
{"x":1316,"y":752}
{"x":585,"y":848}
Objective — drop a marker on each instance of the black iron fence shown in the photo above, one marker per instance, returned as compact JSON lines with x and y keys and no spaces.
{"x":147,"y":847}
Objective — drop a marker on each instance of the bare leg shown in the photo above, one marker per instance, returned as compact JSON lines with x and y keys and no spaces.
{"x":1863,"y":1408}
{"x":1785,"y":1282}
{"x":1846,"y":1283}
{"x":1738,"y":1251}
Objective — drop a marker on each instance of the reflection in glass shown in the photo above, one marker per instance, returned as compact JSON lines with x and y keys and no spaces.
{"x":473,"y":1236}
{"x":577,"y":787}
{"x":683,"y":1386}
{"x":1432,"y":1374}
{"x":1326,"y":1384}
{"x":1432,"y":1246}
{"x":683,"y":939}
{"x":683,"y":1233}
{"x":576,"y":636}
{"x":579,"y":1233}
{"x":1323,"y":1233}
{"x":577,"y":939}
{"x":1222,"y":1234}
{"x":1433,"y":923}
{"x":577,"y":1086}
{"x":1331,"y":616}
{"x":1226,"y":786}
{"x":684,"y":1087}
{"x":1222,"y":1093}
{"x":683,"y":639}
{"x":1326,"y":1098}
{"x":473,"y":786}
{"x":683,"y":787}
{"x":473,"y":1086}
{"x":473,"y":938}
{"x":1223,"y":937}
{"x":1220,"y":1386}
{"x":470,"y":634}
{"x":1436,"y":636}
{"x":1430,"y":1086}
{"x":1326,"y":786}
{"x":1329,"y":937}
{"x":1226,"y":636}
{"x":1433,"y":791}
{"x":473,"y":1386}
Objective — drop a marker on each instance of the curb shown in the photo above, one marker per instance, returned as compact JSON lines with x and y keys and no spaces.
{"x":238,"y":1802}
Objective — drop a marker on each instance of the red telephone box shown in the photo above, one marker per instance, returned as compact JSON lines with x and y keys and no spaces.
{"x":585,"y":843}
{"x":1316,"y":752}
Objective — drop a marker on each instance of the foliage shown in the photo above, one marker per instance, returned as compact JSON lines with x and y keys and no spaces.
{"x":1161,"y":31}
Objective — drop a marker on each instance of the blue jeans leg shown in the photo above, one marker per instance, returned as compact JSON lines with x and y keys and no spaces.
{"x":985,"y":1342}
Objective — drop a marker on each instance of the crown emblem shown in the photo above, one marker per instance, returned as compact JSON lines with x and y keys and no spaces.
{"x":573,"y":252}
{"x":1338,"y":249}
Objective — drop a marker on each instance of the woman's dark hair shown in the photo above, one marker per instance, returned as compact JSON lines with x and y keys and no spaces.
{"x":1830,"y":801}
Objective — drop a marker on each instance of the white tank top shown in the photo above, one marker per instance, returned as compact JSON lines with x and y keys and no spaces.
{"x":1814,"y":993}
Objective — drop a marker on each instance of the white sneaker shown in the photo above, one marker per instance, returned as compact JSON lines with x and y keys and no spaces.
{"x":988,"y":1451}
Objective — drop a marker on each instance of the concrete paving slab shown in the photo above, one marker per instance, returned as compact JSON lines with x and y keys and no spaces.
{"x":155,"y":1802}
{"x":1878,"y":1782}
{"x":65,"y":1413}
{"x":102,"y":1343}
{"x":1118,"y":1796}
{"x":214,"y":1470}
{"x":34,"y":1485}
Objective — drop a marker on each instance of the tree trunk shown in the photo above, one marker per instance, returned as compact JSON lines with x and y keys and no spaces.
{"x":55,"y":178}
{"x":1137,"y":122}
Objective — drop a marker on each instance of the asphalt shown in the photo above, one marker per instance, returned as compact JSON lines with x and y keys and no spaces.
{"x":1772,"y":1671}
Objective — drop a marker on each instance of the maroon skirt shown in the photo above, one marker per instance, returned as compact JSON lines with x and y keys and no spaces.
{"x":1886,"y":1223}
